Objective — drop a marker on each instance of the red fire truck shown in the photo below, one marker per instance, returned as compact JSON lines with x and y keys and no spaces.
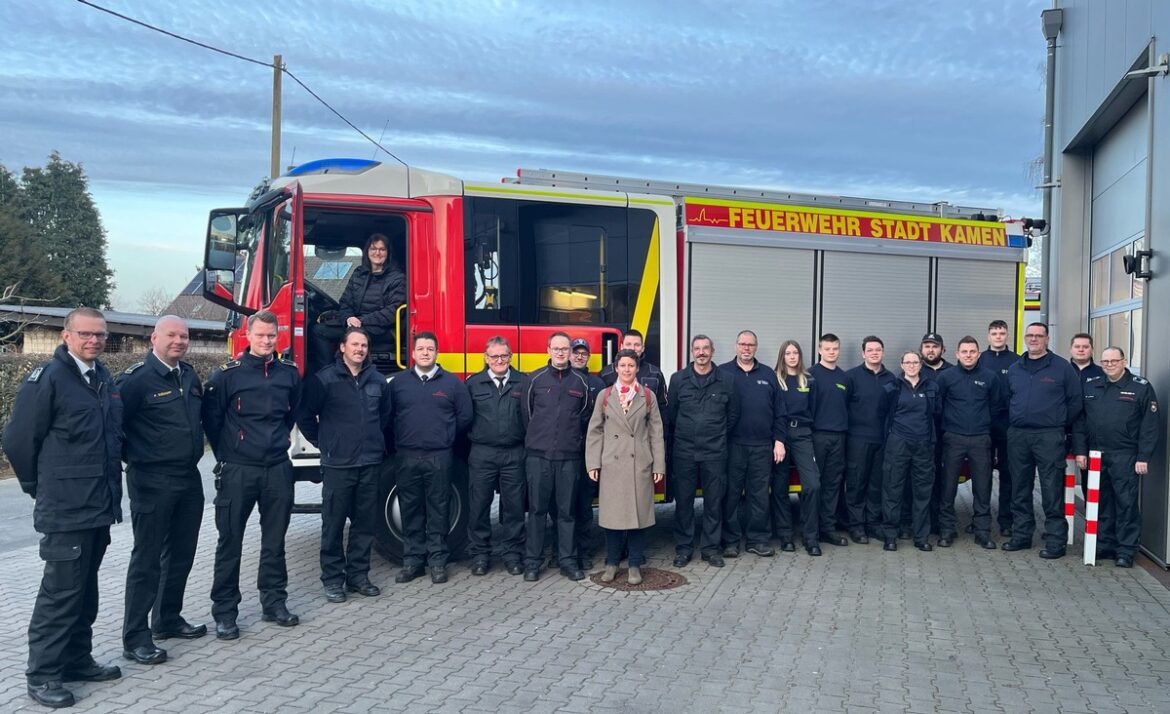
{"x":594,"y":256}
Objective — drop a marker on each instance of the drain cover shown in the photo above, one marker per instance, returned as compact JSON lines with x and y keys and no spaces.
{"x":652,"y":579}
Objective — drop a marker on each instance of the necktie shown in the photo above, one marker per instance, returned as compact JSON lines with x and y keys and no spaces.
{"x":424,"y":378}
{"x":500,"y":380}
{"x":175,"y":376}
{"x":91,"y":377}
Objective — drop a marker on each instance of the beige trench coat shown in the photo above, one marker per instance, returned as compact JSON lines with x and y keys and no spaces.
{"x":628,"y":450}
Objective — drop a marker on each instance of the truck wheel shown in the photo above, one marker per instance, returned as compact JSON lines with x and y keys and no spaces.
{"x":388,"y":532}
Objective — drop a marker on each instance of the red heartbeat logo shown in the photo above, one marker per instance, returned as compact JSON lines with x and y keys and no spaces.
{"x":702,"y":218}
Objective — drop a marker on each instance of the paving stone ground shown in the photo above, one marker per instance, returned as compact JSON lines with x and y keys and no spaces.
{"x":858,"y":630}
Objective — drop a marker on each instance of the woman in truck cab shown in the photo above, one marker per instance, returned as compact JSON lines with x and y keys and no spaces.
{"x":371,"y":299}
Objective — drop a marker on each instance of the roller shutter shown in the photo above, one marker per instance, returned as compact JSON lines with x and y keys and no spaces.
{"x":883,"y":295}
{"x":972,"y":293}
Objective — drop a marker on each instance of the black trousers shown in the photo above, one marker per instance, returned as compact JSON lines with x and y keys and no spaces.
{"x":912,"y":461}
{"x":1119,"y":523}
{"x":1042,"y":451}
{"x":240,"y":488}
{"x":165,"y":513}
{"x":491,"y":468}
{"x":799,"y":453}
{"x":348,"y":494}
{"x":583,"y":514}
{"x":829,"y":450}
{"x":424,"y":498}
{"x":976,"y":450}
{"x":999,"y":458}
{"x":749,"y":476}
{"x":864,"y":471}
{"x":548,"y":478}
{"x":60,"y":632}
{"x":689,"y":475}
{"x":633,"y":541}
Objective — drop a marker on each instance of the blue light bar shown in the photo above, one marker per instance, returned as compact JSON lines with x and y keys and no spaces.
{"x":333,"y":166}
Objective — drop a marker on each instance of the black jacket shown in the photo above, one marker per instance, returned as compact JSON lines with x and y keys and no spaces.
{"x":798,"y":402}
{"x":969,"y":397}
{"x":702,"y":414}
{"x":1118,"y":416}
{"x":1089,"y":371}
{"x":1043,"y":393}
{"x":161,"y":418}
{"x":929,"y":372}
{"x":392,"y":285}
{"x":831,"y":406}
{"x":343,"y":415}
{"x":998,"y":362}
{"x":498,"y":419}
{"x":249,"y":408}
{"x":911,"y":411}
{"x":556,"y":413}
{"x":761,"y":408}
{"x":64,"y":440}
{"x":428,"y":415}
{"x":868,"y":403}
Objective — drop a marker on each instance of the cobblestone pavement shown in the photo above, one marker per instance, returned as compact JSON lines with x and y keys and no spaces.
{"x":858,"y":630}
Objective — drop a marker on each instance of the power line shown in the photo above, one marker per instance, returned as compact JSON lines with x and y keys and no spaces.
{"x":235,"y":55}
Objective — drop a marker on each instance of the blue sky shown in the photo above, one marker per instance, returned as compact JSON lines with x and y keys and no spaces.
{"x":879,"y":98}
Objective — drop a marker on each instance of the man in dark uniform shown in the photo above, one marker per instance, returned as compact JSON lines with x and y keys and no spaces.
{"x":969,"y":394}
{"x":998,"y":357}
{"x":865,"y":449}
{"x":704,"y":408}
{"x":649,"y":375}
{"x":830,"y":428}
{"x":933,"y":364}
{"x":757,"y":444}
{"x":64,"y":441}
{"x":431,"y":407}
{"x":161,"y":399}
{"x":1080,"y":356}
{"x":249,"y":408}
{"x":497,"y":459}
{"x":1121,"y":421}
{"x":344,"y":410}
{"x":556,"y":413}
{"x":1044,"y":399}
{"x":586,"y":487}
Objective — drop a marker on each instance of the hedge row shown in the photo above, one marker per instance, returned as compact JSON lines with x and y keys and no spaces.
{"x":15,"y":368}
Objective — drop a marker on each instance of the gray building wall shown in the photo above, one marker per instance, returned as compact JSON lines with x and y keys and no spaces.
{"x":1100,"y":41}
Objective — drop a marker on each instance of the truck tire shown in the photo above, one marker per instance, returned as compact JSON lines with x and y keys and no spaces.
{"x":388,"y":526}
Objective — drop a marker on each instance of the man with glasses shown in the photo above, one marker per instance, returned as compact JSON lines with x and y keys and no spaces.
{"x":64,"y":440}
{"x":1121,"y":421}
{"x":249,"y":409}
{"x":756,"y":445}
{"x":497,"y":459}
{"x":555,"y":413}
{"x":1044,"y":399}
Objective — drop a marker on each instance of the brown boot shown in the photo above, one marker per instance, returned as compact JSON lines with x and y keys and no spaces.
{"x":635,"y":577}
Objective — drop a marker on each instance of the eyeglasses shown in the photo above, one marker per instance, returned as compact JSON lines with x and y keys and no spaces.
{"x":1111,"y":361}
{"x":499,"y":358}
{"x":87,"y":336}
{"x":558,"y":349}
{"x":910,"y":362}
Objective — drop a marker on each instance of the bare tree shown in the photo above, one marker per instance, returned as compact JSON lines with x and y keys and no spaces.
{"x":12,"y":329}
{"x":154,"y":301}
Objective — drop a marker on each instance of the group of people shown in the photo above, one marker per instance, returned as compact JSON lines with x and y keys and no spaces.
{"x":548,"y":442}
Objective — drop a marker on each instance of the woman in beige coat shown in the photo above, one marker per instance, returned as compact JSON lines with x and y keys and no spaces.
{"x":624,"y":453}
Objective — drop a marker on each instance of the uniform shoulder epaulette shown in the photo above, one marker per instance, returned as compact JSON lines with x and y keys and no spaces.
{"x":35,"y":375}
{"x":1141,"y":380}
{"x":131,"y":368}
{"x":288,"y":362}
{"x":230,"y":364}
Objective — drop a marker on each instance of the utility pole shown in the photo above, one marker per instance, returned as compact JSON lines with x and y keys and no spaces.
{"x":277,"y":71}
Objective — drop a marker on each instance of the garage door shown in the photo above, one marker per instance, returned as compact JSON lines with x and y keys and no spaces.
{"x":763,"y":289}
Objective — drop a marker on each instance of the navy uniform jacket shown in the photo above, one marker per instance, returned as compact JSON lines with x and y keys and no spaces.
{"x":999,"y":362}
{"x":798,"y":402}
{"x":1118,"y":416}
{"x":831,"y":406}
{"x":161,"y":417}
{"x":1043,"y":393}
{"x":249,"y":408}
{"x":762,"y":419}
{"x":703,"y":414}
{"x":969,"y":397}
{"x":64,"y":441}
{"x":556,"y":413}
{"x":911,"y":411}
{"x":868,"y":403}
{"x":498,"y":417}
{"x":428,"y":415}
{"x":343,"y":415}
{"x":1089,"y":371}
{"x":929,"y":372}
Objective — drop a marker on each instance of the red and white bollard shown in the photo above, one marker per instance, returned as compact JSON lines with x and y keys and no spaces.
{"x":1070,"y":494}
{"x":1092,"y":497}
